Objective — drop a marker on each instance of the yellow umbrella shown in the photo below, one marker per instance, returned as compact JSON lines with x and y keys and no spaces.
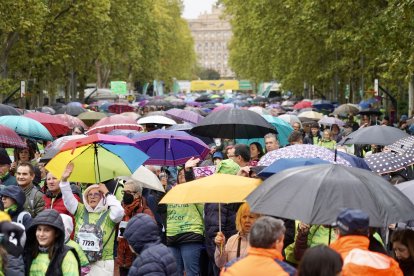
{"x":216,"y":188}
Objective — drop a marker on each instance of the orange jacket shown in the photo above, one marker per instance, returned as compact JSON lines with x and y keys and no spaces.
{"x":259,"y":261}
{"x":358,"y":260}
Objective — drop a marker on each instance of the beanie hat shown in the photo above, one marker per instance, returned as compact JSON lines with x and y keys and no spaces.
{"x":4,"y":157}
{"x":228,"y":166}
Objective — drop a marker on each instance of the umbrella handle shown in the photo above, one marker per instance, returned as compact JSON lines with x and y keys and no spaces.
{"x":219,"y":211}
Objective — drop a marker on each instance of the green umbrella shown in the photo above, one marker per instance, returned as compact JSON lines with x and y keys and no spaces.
{"x":26,"y":127}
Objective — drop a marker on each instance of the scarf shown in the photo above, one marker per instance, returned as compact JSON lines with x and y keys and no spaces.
{"x":132,"y":208}
{"x":11,"y":209}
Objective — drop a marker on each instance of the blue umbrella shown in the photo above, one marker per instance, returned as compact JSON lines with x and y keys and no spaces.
{"x":26,"y":127}
{"x":284,"y":129}
{"x":355,"y":161}
{"x":287,"y":163}
{"x":170,"y":148}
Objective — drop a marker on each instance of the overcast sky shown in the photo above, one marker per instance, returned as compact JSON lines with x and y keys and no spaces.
{"x":193,"y":8}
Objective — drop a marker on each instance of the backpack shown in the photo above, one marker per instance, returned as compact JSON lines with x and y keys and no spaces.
{"x":90,"y":237}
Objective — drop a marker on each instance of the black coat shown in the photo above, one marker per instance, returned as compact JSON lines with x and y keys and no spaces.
{"x":154,"y":258}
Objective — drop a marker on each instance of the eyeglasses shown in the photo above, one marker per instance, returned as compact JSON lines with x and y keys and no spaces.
{"x":94,"y":195}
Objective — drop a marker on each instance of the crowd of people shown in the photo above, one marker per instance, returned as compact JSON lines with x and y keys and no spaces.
{"x":51,"y":226}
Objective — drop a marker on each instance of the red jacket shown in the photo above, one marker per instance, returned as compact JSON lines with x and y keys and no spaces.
{"x":358,"y":260}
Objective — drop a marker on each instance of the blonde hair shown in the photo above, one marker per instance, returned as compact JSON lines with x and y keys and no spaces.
{"x":242,"y":209}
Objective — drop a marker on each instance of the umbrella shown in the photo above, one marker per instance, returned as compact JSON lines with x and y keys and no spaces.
{"x":283,"y":128}
{"x":71,"y":121}
{"x":160,"y":103}
{"x":97,"y":158}
{"x":184,"y":126}
{"x":346,"y":109}
{"x":375,"y":135}
{"x":170,"y":148}
{"x":302,"y":104}
{"x":370,"y":111}
{"x":407,"y":188}
{"x":386,"y":162}
{"x":10,"y":139}
{"x":316,"y":195}
{"x":26,"y":127}
{"x":232,"y":189}
{"x":55,"y":126}
{"x":355,"y":161}
{"x":146,"y":178}
{"x":157,"y":120}
{"x":91,"y":117}
{"x":303,"y":151}
{"x":316,"y":116}
{"x":47,"y":110}
{"x":8,"y":110}
{"x":402,"y":145}
{"x":73,"y":110}
{"x":52,"y":149}
{"x":329,"y":121}
{"x":287,"y":163}
{"x":118,"y":108}
{"x":184,"y":115}
{"x":203,"y":98}
{"x":125,"y":132}
{"x":110,"y":123}
{"x":132,"y":115}
{"x":233,"y":123}
{"x":290,"y":118}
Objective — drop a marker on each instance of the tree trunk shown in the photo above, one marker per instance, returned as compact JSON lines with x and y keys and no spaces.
{"x":8,"y":45}
{"x":411,"y":96}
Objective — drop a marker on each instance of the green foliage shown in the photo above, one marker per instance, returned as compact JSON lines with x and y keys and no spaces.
{"x":208,"y":74}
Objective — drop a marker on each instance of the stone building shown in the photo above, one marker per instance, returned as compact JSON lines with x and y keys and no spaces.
{"x":211,"y":34}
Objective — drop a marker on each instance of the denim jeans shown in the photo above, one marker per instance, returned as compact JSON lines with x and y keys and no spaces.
{"x":187,"y":256}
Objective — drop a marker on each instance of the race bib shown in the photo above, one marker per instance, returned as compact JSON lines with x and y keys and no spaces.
{"x":88,"y":241}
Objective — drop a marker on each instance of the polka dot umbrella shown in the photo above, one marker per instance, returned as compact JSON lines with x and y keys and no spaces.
{"x":387,"y":162}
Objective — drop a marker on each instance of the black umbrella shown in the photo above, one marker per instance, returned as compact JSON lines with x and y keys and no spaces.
{"x":8,"y":110}
{"x":375,"y":135}
{"x":316,"y":195}
{"x":203,"y":98}
{"x":369,"y":112}
{"x":233,"y":123}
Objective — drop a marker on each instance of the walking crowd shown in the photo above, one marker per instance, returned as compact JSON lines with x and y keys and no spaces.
{"x":51,"y":225}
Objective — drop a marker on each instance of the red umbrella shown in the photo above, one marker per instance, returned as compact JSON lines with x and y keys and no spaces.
{"x":71,"y":121}
{"x":119,"y":108}
{"x":302,"y":104}
{"x":10,"y":139}
{"x":55,"y":126}
{"x":110,"y":123}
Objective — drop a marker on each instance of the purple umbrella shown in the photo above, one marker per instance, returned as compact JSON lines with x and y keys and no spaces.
{"x":329,"y":121}
{"x":185,"y":115}
{"x":170,"y":148}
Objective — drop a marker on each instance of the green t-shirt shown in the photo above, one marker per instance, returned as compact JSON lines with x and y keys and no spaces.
{"x":107,"y":227}
{"x":185,"y":218}
{"x":41,"y":263}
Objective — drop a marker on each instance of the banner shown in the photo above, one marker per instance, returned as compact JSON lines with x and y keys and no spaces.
{"x":214,"y":85}
{"x":119,"y":87}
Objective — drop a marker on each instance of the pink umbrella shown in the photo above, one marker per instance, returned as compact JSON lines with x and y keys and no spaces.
{"x":302,"y":104}
{"x":55,"y":126}
{"x":71,"y":121}
{"x":110,"y":123}
{"x":10,"y":139}
{"x":223,"y":107}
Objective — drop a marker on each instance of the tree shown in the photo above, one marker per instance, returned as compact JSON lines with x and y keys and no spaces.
{"x":208,"y":74}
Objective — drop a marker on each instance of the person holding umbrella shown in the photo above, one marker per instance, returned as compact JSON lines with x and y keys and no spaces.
{"x":95,"y":220}
{"x":353,"y":243}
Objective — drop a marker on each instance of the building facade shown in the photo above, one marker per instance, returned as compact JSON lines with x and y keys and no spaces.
{"x":211,"y":34}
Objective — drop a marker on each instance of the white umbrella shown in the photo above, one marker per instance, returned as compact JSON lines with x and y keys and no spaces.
{"x":146,"y":178}
{"x":290,"y":118}
{"x":156,"y":119}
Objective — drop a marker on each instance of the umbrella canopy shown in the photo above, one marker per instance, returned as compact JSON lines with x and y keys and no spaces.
{"x":118,"y":108}
{"x":132,"y":115}
{"x":73,"y":110}
{"x":287,"y":163}
{"x":8,"y":110}
{"x":183,"y":126}
{"x":303,"y":151}
{"x":10,"y":139}
{"x":47,"y":110}
{"x":402,"y":145}
{"x":355,"y":161}
{"x":184,"y":115}
{"x":110,"y":123}
{"x":233,"y":123}
{"x":71,"y":120}
{"x":346,"y":109}
{"x":329,"y":121}
{"x":317,"y":194}
{"x":55,"y":126}
{"x":91,"y":117}
{"x":52,"y":149}
{"x":375,"y":135}
{"x":302,"y":104}
{"x":98,"y":158}
{"x":232,"y":189}
{"x":290,"y":118}
{"x":386,"y":162}
{"x":160,"y":103}
{"x":157,"y":120}
{"x":146,"y":178}
{"x":26,"y":127}
{"x":407,"y":188}
{"x":284,"y":129}
{"x":312,"y":115}
{"x":170,"y":148}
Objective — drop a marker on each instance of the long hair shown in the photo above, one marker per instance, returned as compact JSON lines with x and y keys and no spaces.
{"x":259,"y":148}
{"x":405,"y":237}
